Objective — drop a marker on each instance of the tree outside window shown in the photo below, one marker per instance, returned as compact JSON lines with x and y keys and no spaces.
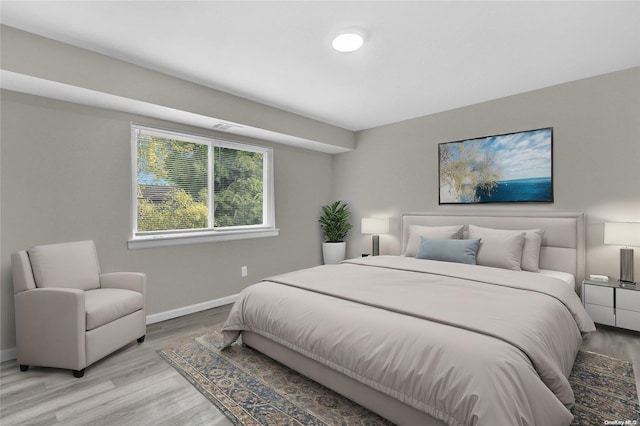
{"x":192,"y":183}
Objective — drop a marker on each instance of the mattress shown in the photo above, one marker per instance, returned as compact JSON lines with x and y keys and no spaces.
{"x":465,"y":344}
{"x":563,"y":276}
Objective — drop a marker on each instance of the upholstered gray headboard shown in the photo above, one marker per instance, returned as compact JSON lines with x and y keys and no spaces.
{"x":563,"y":244}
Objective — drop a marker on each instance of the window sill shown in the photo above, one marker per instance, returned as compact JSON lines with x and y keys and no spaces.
{"x":151,"y":241}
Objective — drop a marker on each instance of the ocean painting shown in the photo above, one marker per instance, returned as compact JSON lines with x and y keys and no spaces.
{"x":508,"y":168}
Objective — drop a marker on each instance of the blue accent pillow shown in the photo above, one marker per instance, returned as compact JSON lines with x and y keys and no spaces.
{"x":459,"y":251}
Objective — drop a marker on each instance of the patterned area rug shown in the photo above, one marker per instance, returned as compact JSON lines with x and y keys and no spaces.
{"x":251,"y":389}
{"x":605,"y":391}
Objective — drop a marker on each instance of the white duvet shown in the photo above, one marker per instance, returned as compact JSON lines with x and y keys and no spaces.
{"x":469,"y":345}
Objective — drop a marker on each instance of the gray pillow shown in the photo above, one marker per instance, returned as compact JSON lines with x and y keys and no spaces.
{"x":435,"y":232}
{"x":500,"y":248}
{"x":531,"y":250}
{"x":459,"y":251}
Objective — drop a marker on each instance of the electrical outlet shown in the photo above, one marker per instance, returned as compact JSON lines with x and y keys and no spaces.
{"x":243,"y":271}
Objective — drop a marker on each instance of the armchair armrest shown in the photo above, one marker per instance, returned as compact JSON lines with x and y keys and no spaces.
{"x":135,"y":281}
{"x":51,"y":327}
{"x":21,"y":272}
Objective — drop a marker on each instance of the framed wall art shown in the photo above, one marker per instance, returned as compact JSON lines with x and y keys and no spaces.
{"x":507,"y":168}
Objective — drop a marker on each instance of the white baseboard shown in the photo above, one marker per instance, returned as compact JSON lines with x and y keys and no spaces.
{"x":9,"y":354}
{"x":186,"y":310}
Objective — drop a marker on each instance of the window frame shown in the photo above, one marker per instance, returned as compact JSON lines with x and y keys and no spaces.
{"x":211,"y":233}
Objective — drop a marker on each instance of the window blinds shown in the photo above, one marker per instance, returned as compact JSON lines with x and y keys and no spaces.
{"x":185,"y":182}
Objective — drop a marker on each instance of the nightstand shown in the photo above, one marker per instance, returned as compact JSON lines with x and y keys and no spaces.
{"x":612,"y":303}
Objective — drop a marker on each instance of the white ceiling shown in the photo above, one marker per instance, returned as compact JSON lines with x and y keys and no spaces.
{"x":419,"y":57}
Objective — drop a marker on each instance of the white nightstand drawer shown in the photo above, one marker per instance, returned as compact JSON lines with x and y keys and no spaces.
{"x":628,"y":319}
{"x":598,"y":295}
{"x":629,"y":300}
{"x":601,"y":314}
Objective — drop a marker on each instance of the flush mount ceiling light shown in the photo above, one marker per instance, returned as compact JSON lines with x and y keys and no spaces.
{"x":347,"y":42}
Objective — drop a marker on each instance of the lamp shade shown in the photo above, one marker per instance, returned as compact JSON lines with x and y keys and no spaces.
{"x":374,"y":225}
{"x":622,"y":233}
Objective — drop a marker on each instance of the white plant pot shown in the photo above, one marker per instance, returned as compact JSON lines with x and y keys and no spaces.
{"x":333,"y":252}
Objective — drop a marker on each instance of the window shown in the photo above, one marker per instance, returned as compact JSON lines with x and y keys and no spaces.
{"x":191,"y":188}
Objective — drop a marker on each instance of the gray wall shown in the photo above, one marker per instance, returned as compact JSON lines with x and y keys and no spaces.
{"x":66,"y":175}
{"x":36,"y":56}
{"x":596,"y":151}
{"x":65,"y":170}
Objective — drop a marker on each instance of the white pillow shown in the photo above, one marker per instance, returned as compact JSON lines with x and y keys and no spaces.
{"x":433,"y":232}
{"x":499,"y":248}
{"x":531,"y":250}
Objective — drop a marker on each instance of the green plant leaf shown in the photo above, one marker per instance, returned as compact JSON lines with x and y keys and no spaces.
{"x":334,"y":221}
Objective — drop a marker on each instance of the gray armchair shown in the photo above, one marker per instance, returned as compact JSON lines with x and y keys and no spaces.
{"x":70,"y":315}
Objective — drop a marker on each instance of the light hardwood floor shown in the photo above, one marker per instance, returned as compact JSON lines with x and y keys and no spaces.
{"x":135,"y":386}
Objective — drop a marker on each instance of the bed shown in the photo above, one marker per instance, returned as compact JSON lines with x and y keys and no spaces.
{"x":433,"y":342}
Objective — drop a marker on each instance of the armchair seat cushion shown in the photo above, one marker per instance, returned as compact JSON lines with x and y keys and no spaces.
{"x":104,"y":305}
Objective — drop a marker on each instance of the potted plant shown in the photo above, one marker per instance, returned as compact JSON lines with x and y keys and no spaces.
{"x":335,"y":225}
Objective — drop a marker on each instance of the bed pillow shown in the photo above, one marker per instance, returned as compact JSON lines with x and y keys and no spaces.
{"x":452,"y":250}
{"x":531,"y":250}
{"x":499,"y":248}
{"x":435,"y":232}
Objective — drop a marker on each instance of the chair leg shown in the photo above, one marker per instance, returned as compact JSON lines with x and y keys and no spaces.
{"x":24,"y":367}
{"x":78,"y":373}
{"x":141,"y":339}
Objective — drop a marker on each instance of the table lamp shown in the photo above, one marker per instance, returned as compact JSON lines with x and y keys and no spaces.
{"x":375,"y":226}
{"x":623,"y":234}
